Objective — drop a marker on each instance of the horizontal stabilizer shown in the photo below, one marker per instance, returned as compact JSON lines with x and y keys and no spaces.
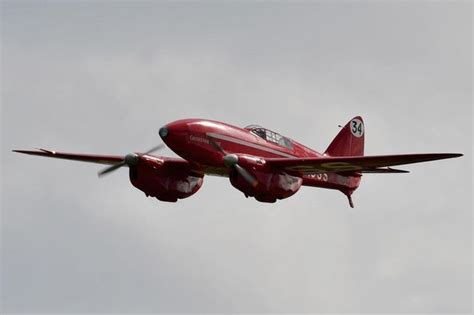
{"x":387,"y":170}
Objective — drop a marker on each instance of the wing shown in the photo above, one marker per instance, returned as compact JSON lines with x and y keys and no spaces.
{"x":364,"y":164}
{"x":91,"y":158}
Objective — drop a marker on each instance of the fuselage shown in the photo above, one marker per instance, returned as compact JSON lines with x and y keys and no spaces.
{"x":191,"y":140}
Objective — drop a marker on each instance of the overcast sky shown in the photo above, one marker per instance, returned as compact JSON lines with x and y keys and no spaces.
{"x":103,"y":77}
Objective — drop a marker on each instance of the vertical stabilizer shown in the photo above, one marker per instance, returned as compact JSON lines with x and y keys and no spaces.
{"x":350,"y":140}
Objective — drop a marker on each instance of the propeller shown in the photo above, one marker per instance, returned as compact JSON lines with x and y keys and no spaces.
{"x":232,"y":161}
{"x":129,"y":160}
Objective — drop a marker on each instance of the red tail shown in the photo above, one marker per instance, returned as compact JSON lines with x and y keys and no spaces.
{"x":350,"y":140}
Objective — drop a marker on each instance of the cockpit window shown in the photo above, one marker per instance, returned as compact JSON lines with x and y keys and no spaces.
{"x":260,"y":132}
{"x":270,"y":136}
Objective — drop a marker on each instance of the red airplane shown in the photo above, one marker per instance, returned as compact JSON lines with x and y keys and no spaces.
{"x":259,"y":162}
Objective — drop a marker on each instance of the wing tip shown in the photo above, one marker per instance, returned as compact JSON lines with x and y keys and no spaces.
{"x":449,"y":155}
{"x":38,"y":151}
{"x":23,"y":151}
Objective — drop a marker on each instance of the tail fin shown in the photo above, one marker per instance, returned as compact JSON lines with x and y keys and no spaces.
{"x":349,"y":141}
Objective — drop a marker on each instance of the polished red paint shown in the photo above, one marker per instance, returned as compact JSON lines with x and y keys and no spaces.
{"x":189,"y":139}
{"x":276,"y":166}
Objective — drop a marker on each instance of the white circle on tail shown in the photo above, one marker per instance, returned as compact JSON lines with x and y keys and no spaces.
{"x":357,"y":127}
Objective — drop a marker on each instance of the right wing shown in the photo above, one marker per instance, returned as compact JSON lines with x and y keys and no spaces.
{"x":91,"y":158}
{"x":169,"y":163}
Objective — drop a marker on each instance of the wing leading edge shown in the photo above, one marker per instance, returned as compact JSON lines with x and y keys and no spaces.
{"x":364,"y":164}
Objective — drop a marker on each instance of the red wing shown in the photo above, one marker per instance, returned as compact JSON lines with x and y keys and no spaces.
{"x":368,"y":164}
{"x":169,"y":163}
{"x":91,"y":158}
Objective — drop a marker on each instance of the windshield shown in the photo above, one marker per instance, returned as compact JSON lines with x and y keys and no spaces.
{"x":270,"y":136}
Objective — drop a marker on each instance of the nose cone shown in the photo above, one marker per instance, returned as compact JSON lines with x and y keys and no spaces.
{"x":163,"y":132}
{"x":175,"y":133}
{"x":176,"y":128}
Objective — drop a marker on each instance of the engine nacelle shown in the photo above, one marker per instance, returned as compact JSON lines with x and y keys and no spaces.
{"x":155,"y":179}
{"x":270,"y":186}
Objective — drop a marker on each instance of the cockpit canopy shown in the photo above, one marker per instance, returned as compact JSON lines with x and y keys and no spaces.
{"x":270,"y":136}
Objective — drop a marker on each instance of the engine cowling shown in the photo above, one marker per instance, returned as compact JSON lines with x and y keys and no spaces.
{"x":166,"y":183}
{"x":270,"y":186}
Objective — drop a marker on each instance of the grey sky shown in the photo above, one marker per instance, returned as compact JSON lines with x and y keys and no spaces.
{"x":103,"y":77}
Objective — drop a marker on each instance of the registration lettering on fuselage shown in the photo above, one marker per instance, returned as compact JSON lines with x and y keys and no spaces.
{"x":198,"y":139}
{"x":319,"y":176}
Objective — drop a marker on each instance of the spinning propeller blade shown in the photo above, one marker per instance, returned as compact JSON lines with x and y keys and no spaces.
{"x":232,"y":161}
{"x":130,"y":159}
{"x":111,"y":169}
{"x":216,"y":146}
{"x":154,"y":149}
{"x":246,"y":175}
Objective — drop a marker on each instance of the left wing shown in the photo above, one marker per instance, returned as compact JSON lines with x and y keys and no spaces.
{"x":364,"y":164}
